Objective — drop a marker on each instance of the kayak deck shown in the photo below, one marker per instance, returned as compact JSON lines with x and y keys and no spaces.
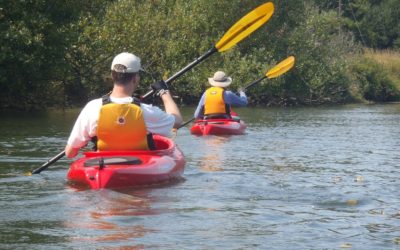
{"x":118,"y":169}
{"x":218,"y":127}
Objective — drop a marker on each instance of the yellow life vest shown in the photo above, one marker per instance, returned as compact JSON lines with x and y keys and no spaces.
{"x":121,"y":127}
{"x":214,"y":101}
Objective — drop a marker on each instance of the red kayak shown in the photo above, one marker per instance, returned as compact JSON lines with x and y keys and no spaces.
{"x":118,"y":169}
{"x":218,"y":127}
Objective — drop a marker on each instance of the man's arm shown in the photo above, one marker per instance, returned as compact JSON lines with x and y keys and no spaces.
{"x":199,"y":110}
{"x":161,"y":90}
{"x":84,"y":128}
{"x":71,"y":152}
{"x":234,"y":100}
{"x":172,"y":108}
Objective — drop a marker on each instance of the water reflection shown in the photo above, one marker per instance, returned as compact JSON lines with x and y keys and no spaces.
{"x":213,"y":153}
{"x":111,"y":215}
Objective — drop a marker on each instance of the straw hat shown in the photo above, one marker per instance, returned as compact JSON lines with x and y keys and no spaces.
{"x":220,"y":80}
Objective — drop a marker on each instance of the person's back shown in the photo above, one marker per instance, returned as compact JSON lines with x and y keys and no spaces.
{"x":216,"y":101}
{"x":118,"y":120}
{"x":115,"y":123}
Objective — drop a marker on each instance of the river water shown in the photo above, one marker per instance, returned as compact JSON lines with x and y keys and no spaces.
{"x":300,"y":178}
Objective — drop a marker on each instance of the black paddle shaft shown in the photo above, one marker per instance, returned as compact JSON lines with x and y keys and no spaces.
{"x":186,"y":123}
{"x":185,"y":69}
{"x":49,"y":162}
{"x":254,"y":83}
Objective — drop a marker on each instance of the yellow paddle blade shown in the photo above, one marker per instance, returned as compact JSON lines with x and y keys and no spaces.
{"x":281,"y":68}
{"x":245,"y":26}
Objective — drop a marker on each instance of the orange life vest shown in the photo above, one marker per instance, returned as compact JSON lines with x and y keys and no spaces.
{"x":214,"y":101}
{"x":121,"y":127}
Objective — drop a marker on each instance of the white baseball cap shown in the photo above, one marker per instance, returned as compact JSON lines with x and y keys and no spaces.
{"x":130,"y":61}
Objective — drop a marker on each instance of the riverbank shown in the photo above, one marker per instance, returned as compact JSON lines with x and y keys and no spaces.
{"x":375,"y":76}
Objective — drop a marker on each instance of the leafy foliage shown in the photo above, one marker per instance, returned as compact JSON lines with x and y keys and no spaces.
{"x":374,"y":23}
{"x":57,"y":53}
{"x":35,"y":36}
{"x":374,"y":81}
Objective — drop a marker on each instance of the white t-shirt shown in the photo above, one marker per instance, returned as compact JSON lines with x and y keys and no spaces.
{"x":156,"y":120}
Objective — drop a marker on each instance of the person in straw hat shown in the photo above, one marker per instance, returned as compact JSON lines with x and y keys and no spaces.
{"x":216,"y":101}
{"x":118,"y":120}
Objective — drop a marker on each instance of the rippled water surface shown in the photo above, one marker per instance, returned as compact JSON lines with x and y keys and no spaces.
{"x":300,"y":178}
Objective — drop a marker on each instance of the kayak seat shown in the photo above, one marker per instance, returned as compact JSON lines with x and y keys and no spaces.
{"x":217,"y":116}
{"x":116,"y":160}
{"x":161,"y":144}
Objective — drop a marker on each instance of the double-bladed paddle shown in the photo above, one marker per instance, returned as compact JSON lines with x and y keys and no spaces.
{"x":276,"y":71}
{"x":240,"y":30}
{"x":279,"y":69}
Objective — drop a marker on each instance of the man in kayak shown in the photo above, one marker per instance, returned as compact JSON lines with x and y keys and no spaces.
{"x":119,"y":121}
{"x":216,"y":102}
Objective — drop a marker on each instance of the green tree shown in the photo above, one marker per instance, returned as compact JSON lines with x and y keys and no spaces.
{"x":374,"y":23}
{"x":59,"y":53}
{"x":167,"y":35}
{"x":35,"y":37}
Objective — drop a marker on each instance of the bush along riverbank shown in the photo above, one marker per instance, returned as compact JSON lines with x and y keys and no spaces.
{"x":376,"y":76}
{"x":371,"y":75}
{"x":59,"y":55}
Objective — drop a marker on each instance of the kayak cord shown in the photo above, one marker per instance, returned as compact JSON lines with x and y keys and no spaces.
{"x":101,"y":163}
